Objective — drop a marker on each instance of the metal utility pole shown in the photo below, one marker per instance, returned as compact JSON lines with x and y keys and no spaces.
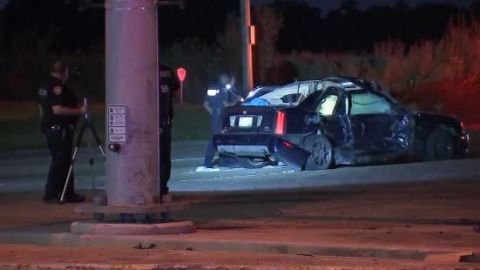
{"x":247,"y":66}
{"x":132,"y":109}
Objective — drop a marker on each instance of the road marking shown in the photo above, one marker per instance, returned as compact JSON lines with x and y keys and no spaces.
{"x":233,"y":177}
{"x":186,"y":159}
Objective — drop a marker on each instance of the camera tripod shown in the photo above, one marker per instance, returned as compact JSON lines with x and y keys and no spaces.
{"x":85,"y":125}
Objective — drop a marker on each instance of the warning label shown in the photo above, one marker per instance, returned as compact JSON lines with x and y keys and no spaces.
{"x":117,"y":123}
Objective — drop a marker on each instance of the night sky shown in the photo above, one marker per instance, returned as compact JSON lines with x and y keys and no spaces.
{"x":332,"y":4}
{"x":327,"y":5}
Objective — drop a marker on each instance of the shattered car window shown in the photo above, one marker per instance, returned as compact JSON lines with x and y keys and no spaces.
{"x":289,"y":95}
{"x":327,"y":105}
{"x":369,"y":103}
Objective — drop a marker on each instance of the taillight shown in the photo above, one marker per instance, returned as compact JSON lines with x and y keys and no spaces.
{"x":287,"y":144}
{"x":280,"y":123}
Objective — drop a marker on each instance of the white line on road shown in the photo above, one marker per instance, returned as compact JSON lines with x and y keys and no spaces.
{"x":214,"y":178}
{"x":186,"y":159}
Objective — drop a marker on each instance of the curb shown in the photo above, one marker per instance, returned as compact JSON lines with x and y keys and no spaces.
{"x":86,"y":266}
{"x":178,"y":227}
{"x":76,"y":240}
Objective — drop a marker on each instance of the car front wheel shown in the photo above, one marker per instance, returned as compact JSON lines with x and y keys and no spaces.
{"x":321,"y":156}
{"x":440,"y":145}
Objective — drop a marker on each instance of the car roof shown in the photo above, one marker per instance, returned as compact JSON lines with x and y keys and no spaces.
{"x":346,"y":83}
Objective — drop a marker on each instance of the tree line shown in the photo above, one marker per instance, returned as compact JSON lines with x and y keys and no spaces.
{"x":295,"y":41}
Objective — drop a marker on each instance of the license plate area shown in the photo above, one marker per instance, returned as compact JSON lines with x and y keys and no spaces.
{"x":245,"y":121}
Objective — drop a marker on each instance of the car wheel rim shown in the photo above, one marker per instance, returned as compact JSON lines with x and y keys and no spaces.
{"x":320,"y":154}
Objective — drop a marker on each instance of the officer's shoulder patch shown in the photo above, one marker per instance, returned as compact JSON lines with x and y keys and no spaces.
{"x":42,"y":92}
{"x":57,"y":90}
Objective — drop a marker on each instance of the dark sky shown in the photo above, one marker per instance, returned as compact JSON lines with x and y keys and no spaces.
{"x":327,"y":5}
{"x":332,"y":4}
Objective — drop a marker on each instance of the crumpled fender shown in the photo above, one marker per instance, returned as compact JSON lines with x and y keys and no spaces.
{"x":290,"y":154}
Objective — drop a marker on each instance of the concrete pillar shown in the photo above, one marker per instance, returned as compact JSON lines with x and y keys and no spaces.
{"x":132,"y":83}
{"x":247,"y":66}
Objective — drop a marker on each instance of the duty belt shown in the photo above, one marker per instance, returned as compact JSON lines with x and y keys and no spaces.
{"x":61,"y":127}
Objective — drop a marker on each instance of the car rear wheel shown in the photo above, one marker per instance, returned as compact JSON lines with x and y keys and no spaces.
{"x":440,"y":145}
{"x":321,"y":157}
{"x":253,"y":163}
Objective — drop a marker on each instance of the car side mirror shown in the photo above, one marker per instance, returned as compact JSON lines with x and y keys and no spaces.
{"x":312,"y":119}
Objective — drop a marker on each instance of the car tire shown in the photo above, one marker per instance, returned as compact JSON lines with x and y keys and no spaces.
{"x":321,"y":154}
{"x":227,"y":161}
{"x":253,"y":163}
{"x":440,"y":145}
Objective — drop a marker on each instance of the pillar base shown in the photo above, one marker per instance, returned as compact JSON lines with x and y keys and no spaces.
{"x":94,"y":228}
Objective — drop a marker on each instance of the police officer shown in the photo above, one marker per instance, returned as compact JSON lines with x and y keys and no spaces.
{"x":60,"y":110}
{"x":168,"y":86}
{"x":219,"y":96}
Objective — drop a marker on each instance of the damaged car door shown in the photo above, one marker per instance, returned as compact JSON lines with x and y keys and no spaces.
{"x":331,"y":132}
{"x":381,"y":129}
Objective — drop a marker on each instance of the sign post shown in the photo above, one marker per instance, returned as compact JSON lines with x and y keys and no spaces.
{"x":181,"y":74}
{"x":247,"y":42}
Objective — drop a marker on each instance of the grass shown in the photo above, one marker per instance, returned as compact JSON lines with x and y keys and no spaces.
{"x":20,"y":125}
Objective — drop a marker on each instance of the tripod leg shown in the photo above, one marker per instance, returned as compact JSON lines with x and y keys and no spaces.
{"x":97,"y":139}
{"x":70,"y":169}
{"x":67,"y":181}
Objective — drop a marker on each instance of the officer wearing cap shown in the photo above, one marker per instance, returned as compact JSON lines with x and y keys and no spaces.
{"x":59,"y":110}
{"x":168,"y":86}
{"x":219,"y":96}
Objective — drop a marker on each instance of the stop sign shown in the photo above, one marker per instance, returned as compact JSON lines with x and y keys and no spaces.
{"x":181,"y":73}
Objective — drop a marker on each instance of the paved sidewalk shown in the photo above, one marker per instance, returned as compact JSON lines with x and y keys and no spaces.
{"x":394,"y":226}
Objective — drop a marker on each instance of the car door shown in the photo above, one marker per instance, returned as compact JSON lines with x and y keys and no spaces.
{"x":377,"y":125}
{"x":331,"y":108}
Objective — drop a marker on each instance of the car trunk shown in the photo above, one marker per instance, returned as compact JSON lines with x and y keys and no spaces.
{"x":258,"y":132}
{"x":250,"y":119}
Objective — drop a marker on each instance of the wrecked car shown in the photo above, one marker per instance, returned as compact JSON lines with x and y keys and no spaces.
{"x":319,"y":124}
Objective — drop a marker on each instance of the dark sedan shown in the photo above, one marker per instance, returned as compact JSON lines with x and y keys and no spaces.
{"x":318,"y":124}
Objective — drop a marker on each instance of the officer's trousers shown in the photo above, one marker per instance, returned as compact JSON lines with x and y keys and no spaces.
{"x":210,"y":152}
{"x":60,"y":143}
{"x":165,"y":157}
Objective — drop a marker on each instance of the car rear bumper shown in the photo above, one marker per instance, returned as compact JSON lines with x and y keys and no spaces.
{"x":251,"y":145}
{"x":261,"y":146}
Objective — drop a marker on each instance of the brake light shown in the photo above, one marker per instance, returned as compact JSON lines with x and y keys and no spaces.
{"x":280,"y":123}
{"x":288,"y":144}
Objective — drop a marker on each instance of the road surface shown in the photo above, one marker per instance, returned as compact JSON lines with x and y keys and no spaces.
{"x":24,"y":171}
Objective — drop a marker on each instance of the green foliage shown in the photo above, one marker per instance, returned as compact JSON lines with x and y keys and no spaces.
{"x":196,"y":57}
{"x":269,"y":23}
{"x":21,"y":125}
{"x":204,"y":62}
{"x":430,"y":75}
{"x":435,"y":76}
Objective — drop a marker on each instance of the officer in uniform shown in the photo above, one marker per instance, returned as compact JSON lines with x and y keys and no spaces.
{"x":60,"y":110}
{"x":219,"y":96}
{"x":168,"y":86}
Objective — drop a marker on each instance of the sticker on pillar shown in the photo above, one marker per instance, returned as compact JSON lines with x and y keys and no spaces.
{"x":117,"y":124}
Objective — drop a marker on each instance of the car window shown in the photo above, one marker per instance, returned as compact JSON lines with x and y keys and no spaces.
{"x":290,"y":94}
{"x":327,"y":105}
{"x":369,"y":103}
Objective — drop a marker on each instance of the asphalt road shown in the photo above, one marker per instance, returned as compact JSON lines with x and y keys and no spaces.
{"x":24,"y":171}
{"x":427,"y":208}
